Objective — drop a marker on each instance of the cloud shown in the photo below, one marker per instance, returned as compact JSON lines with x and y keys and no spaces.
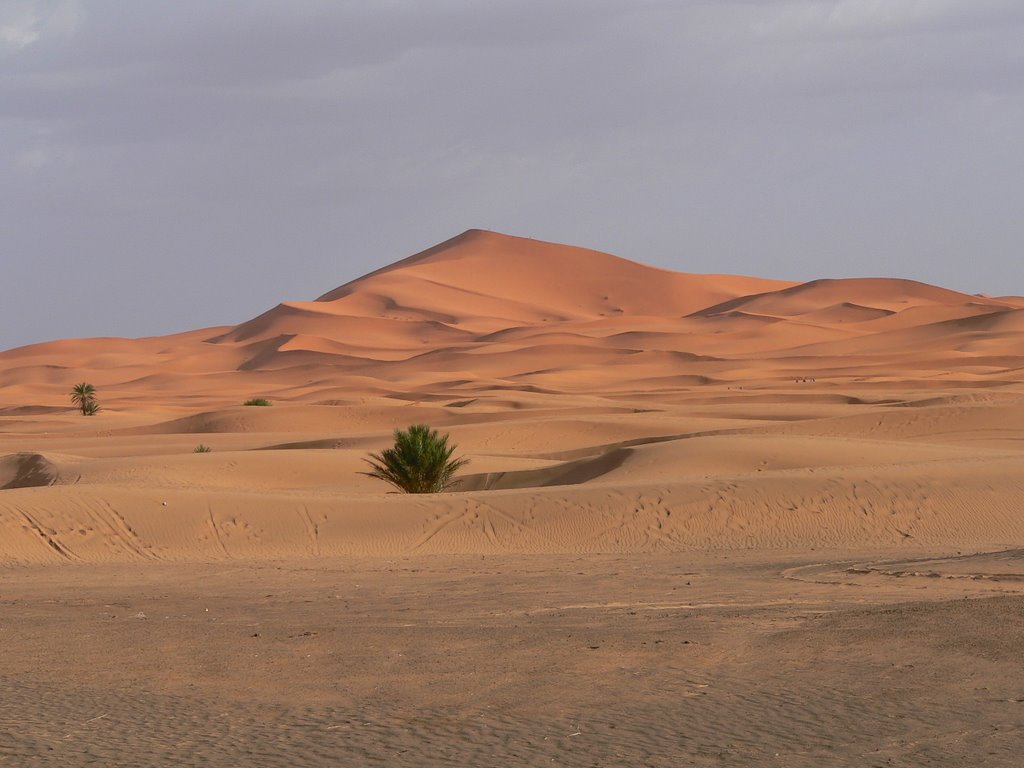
{"x":852,"y":18}
{"x":33,"y":159}
{"x":24,"y":22}
{"x":303,"y":143}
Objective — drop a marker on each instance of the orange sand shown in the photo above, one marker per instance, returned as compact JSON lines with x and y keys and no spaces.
{"x":708,"y":520}
{"x":606,"y":406}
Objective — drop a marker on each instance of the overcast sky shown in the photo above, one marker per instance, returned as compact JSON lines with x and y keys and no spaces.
{"x":171,"y":165}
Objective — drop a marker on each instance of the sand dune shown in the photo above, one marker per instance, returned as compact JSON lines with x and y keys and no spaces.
{"x":707,"y":520}
{"x":606,"y":406}
{"x":889,"y":295}
{"x":920,"y":476}
{"x":562,"y":282}
{"x":499,"y":313}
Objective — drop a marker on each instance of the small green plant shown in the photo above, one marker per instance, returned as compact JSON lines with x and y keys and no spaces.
{"x":257,"y":401}
{"x":202,"y":449}
{"x":83,"y":396}
{"x":420,"y":461}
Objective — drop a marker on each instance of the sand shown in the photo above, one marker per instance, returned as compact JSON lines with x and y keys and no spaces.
{"x":708,"y":520}
{"x":664,"y":660}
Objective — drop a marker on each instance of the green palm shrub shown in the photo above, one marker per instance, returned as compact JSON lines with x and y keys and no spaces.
{"x":202,"y":449}
{"x":257,"y":401}
{"x":83,"y":396}
{"x":419,"y":462}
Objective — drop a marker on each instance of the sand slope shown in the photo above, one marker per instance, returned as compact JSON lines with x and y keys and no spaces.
{"x":585,"y":483}
{"x":485,"y":312}
{"x":707,"y":520}
{"x":606,"y":406}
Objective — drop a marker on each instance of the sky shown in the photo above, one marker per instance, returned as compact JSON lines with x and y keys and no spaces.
{"x":174,"y":164}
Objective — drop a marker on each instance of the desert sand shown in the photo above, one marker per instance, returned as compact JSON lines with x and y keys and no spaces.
{"x":708,"y":520}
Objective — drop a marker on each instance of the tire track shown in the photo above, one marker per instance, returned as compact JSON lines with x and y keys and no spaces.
{"x":312,"y":530}
{"x":489,"y":533}
{"x":117,"y":537}
{"x":439,"y":525}
{"x":216,"y":531}
{"x":519,"y":527}
{"x":50,"y":540}
{"x":123,"y":531}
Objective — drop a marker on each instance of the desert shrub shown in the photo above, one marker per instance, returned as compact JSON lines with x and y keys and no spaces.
{"x":419,"y":462}
{"x":257,"y":401}
{"x":83,"y":396}
{"x":202,"y":449}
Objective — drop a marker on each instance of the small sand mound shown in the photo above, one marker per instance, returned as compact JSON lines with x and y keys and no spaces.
{"x":26,"y":470}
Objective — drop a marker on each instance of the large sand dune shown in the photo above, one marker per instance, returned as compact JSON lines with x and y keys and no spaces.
{"x":606,"y":406}
{"x":708,"y":520}
{"x":485,"y":312}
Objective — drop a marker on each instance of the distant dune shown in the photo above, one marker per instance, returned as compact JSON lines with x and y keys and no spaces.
{"x":484,"y":312}
{"x":606,"y":406}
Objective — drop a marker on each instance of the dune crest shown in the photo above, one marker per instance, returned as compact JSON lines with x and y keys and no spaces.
{"x":605,"y":406}
{"x":680,"y":489}
{"x":485,"y":313}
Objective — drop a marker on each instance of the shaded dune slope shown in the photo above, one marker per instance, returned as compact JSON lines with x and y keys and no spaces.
{"x":26,"y":470}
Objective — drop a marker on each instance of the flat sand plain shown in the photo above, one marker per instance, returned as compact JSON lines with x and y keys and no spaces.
{"x":708,"y":520}
{"x":662,"y":659}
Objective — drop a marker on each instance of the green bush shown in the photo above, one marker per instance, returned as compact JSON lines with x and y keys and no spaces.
{"x":202,"y":449}
{"x":257,"y":401}
{"x":420,"y":461}
{"x":83,"y":397}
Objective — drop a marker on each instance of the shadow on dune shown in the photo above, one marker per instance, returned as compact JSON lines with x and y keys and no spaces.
{"x":569,"y":473}
{"x":26,"y":470}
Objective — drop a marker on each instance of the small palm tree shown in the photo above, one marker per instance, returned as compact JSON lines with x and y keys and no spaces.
{"x":84,"y":397}
{"x":420,"y":461}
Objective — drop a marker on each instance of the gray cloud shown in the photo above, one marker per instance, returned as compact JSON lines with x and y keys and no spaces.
{"x":169,"y":165}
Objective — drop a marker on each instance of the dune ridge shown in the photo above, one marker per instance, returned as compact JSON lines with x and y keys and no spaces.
{"x":706,"y":520}
{"x":515,"y":313}
{"x":606,"y":406}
